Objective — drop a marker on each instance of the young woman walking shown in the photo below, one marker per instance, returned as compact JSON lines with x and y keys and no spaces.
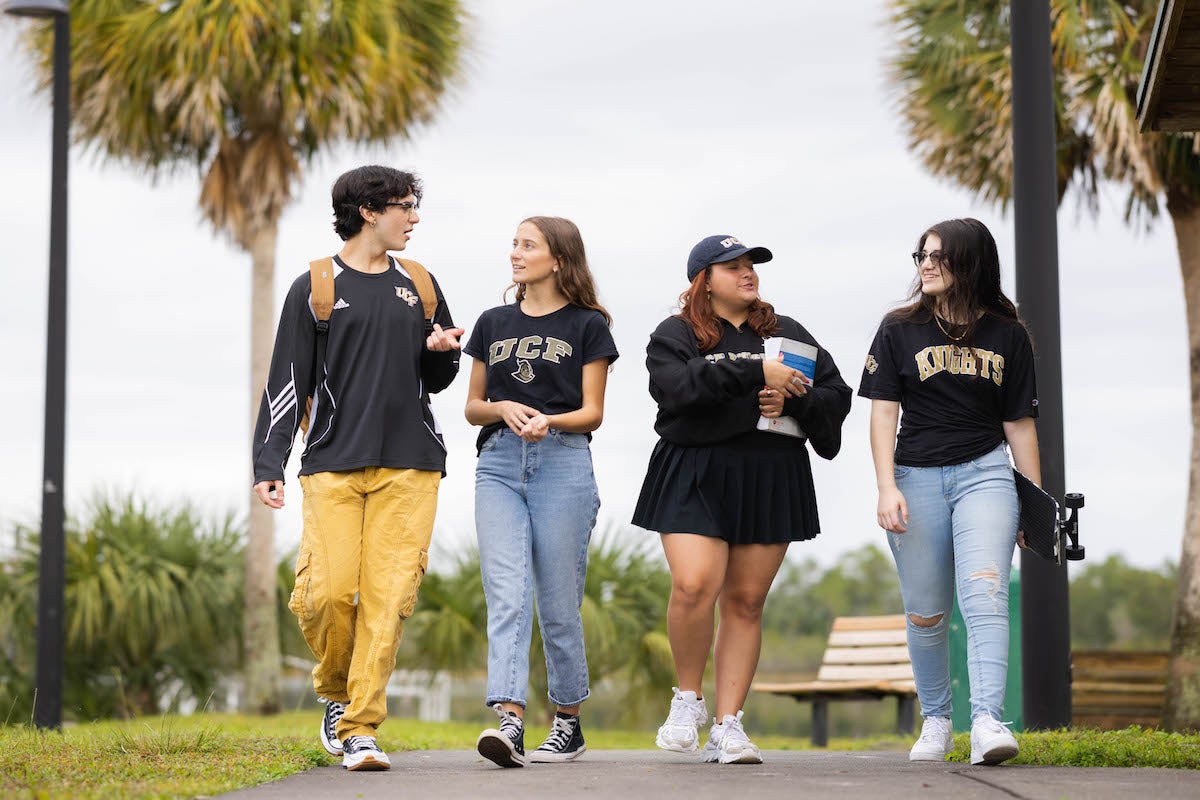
{"x":959,"y":362}
{"x":537,"y":390}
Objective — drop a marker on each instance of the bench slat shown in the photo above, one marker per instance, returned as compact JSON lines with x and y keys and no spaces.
{"x":866,"y":655}
{"x":812,"y":688}
{"x":867,"y":638}
{"x":886,"y":623}
{"x":867,"y":672}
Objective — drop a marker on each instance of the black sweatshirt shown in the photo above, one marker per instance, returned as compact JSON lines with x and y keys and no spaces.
{"x":706,"y":398}
{"x":371,"y":407}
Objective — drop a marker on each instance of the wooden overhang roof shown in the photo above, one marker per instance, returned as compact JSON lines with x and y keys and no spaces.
{"x":1169,"y":95}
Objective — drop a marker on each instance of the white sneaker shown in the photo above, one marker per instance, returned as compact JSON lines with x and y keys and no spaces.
{"x":361,"y":753}
{"x":680,"y":733}
{"x":728,"y":743}
{"x":991,"y":741}
{"x":936,"y":742}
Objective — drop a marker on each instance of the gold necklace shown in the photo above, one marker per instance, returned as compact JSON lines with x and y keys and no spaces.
{"x":958,"y":338}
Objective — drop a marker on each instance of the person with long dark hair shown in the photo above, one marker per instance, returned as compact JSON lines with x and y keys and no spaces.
{"x":726,"y":497}
{"x":537,"y":389}
{"x":959,"y":362}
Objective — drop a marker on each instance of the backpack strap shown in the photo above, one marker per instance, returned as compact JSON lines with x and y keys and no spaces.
{"x":424,"y":283}
{"x":321,"y":274}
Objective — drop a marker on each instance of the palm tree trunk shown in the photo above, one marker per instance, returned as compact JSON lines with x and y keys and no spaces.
{"x":260,"y":634}
{"x":1181,"y":709}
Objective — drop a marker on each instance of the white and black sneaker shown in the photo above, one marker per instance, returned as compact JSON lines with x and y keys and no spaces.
{"x":564,"y":742}
{"x":333,"y":714}
{"x":360,"y":753}
{"x":504,"y":746}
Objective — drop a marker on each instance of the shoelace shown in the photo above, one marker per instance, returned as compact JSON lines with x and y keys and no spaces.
{"x":995,"y":725}
{"x":560,"y":734}
{"x":934,"y":730}
{"x":732,"y":732}
{"x":356,"y":743}
{"x":336,"y":711}
{"x":685,"y":714}
{"x":510,"y":724}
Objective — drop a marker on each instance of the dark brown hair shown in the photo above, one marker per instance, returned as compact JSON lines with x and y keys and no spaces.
{"x":574,"y":277}
{"x":695,"y":308}
{"x":972,"y":260}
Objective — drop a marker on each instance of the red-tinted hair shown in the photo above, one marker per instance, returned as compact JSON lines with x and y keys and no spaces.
{"x":695,"y":308}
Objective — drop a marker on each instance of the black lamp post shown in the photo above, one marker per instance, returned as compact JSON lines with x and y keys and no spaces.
{"x":52,"y":564}
{"x":1045,"y":616}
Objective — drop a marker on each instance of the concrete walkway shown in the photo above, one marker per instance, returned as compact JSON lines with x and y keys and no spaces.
{"x":636,"y":774}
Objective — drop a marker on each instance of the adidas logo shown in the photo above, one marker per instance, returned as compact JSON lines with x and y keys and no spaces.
{"x":340,"y":304}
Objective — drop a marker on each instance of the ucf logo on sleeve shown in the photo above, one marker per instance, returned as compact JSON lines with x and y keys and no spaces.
{"x":527,"y":350}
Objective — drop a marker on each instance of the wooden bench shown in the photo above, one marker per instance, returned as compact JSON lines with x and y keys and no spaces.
{"x":1112,"y":690}
{"x":866,"y":659}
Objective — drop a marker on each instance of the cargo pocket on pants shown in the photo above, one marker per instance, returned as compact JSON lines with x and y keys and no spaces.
{"x":300,"y":602}
{"x":409,"y":604}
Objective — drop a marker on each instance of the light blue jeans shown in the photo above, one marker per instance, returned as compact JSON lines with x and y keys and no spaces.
{"x":535,"y":507}
{"x":962,"y":528}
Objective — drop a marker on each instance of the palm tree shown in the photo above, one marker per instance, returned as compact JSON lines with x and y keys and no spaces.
{"x":248,"y":93}
{"x":953,"y":78}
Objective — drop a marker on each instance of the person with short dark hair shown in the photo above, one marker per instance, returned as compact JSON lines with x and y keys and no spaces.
{"x":373,"y":452}
{"x":959,"y":361}
{"x":727,"y":497}
{"x":537,"y":390}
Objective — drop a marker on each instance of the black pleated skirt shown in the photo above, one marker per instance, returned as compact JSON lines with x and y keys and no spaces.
{"x":754,"y":489}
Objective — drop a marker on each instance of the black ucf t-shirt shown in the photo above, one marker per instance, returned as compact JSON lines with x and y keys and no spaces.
{"x":954,"y":399}
{"x":538,"y":361}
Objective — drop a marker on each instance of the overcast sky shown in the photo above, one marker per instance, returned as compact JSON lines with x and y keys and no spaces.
{"x":648,"y":126}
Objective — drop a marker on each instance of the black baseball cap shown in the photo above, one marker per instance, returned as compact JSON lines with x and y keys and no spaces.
{"x":719,"y":249}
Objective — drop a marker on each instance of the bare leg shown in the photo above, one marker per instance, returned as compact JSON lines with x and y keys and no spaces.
{"x":748,"y":578}
{"x":697,"y":565}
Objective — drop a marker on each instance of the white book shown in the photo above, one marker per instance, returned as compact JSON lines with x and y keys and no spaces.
{"x":799,"y":356}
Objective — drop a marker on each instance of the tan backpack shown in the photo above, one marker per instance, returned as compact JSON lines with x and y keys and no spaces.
{"x":321,"y":273}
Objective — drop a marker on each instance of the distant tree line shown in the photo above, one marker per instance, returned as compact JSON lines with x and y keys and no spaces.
{"x":154,"y":610}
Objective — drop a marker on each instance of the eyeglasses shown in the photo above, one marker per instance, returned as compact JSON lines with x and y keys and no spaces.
{"x":407,"y":206}
{"x":937,"y":258}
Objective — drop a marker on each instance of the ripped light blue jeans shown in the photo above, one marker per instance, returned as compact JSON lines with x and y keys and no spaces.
{"x":962,"y":528}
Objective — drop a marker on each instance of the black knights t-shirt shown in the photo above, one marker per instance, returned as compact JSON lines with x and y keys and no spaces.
{"x":954,"y":399}
{"x":538,"y":361}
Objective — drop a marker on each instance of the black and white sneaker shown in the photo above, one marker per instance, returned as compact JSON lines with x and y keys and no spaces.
{"x":360,"y":753}
{"x":505,"y":746}
{"x":565,"y":742}
{"x":333,"y":714}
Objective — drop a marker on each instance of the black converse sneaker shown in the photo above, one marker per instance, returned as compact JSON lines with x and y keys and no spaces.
{"x":505,"y":746}
{"x":361,"y":753}
{"x":333,"y":714}
{"x":565,"y":742}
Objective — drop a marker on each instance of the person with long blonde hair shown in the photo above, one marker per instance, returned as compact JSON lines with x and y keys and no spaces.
{"x":726,"y":497}
{"x":537,"y":390}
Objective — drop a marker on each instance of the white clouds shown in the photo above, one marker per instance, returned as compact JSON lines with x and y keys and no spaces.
{"x":649,"y":124}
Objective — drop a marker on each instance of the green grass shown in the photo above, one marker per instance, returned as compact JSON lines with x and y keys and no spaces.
{"x":207,"y":754}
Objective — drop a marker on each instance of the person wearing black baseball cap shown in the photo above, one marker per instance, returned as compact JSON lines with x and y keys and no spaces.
{"x":726,"y":497}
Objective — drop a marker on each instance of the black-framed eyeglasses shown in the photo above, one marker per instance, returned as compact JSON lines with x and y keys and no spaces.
{"x":937,"y":258}
{"x":407,"y":206}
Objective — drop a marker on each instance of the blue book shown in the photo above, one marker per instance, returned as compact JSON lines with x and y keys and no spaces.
{"x":800,"y":357}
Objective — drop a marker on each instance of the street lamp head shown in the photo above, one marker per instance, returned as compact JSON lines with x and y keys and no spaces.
{"x":36,"y":8}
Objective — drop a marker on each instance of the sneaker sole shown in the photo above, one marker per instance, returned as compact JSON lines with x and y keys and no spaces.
{"x":995,"y":755}
{"x":495,"y":748}
{"x":329,"y":748}
{"x":368,"y":764}
{"x":555,"y":758}
{"x":927,"y":757}
{"x":744,"y":757}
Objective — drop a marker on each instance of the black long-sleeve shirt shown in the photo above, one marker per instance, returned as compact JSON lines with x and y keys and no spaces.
{"x":371,"y":403}
{"x":705,"y":398}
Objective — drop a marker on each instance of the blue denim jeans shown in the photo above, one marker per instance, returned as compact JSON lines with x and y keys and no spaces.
{"x":535,"y":507}
{"x":962,"y":528}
